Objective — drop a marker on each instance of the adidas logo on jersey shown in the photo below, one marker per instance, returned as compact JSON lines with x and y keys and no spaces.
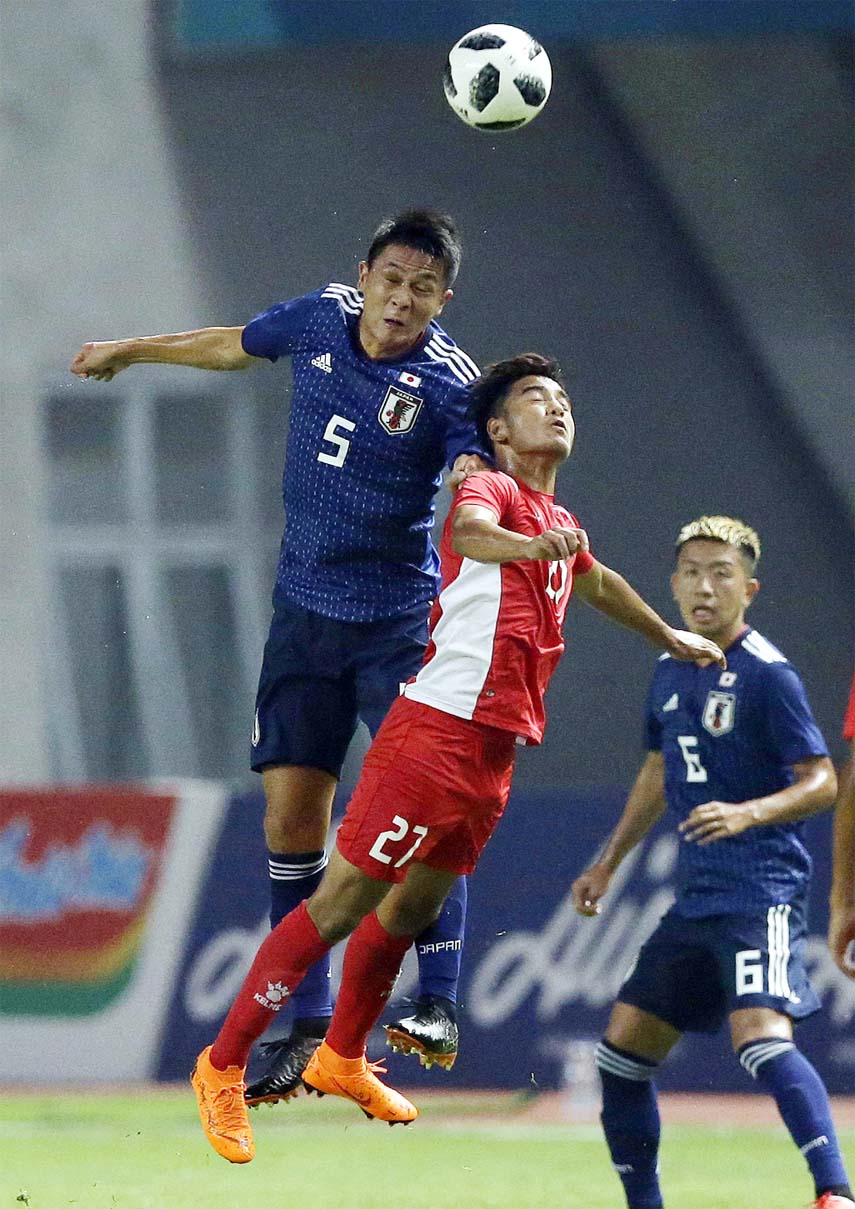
{"x":672,"y":703}
{"x":323,"y":361}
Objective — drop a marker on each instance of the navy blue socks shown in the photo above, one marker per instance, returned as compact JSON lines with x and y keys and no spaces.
{"x":794,"y":1085}
{"x":630,"y":1120}
{"x":439,"y":947}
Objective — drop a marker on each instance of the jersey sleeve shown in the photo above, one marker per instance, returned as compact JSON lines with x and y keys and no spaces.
{"x":461,"y":436}
{"x":584,"y":560}
{"x":792,"y":730}
{"x":652,"y":724}
{"x":849,"y":720}
{"x":277,"y":332}
{"x":487,"y":489}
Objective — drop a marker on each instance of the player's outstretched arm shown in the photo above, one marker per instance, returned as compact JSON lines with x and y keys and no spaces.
{"x":841,"y":929}
{"x":217,"y":348}
{"x":609,"y":592}
{"x":644,"y":807}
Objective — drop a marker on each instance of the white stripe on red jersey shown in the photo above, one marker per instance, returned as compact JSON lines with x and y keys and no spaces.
{"x":496,"y":627}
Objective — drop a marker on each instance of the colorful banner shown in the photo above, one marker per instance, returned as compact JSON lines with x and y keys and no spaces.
{"x":96,"y":887}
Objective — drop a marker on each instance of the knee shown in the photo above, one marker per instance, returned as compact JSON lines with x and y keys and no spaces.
{"x":404,"y":917}
{"x":333,"y":918}
{"x":291,"y":829}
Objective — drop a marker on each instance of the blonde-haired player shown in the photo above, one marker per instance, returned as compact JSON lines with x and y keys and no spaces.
{"x":738,"y":760}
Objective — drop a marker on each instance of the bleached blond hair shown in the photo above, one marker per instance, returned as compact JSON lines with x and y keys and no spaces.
{"x":725,"y":529}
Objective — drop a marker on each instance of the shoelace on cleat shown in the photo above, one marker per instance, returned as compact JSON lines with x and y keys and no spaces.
{"x":231,"y":1113}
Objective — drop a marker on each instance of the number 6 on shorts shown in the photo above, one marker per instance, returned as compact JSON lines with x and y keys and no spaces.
{"x":402,"y":827}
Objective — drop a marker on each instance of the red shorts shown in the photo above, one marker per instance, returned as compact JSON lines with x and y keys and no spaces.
{"x":432,"y":789}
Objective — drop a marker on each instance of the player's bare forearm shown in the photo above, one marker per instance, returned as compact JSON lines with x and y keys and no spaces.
{"x":843,"y":879}
{"x":813,"y":790}
{"x":214,"y":348}
{"x":609,"y":592}
{"x":644,"y":807}
{"x":477,"y":534}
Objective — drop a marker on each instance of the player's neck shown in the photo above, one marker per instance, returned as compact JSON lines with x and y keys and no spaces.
{"x":733,"y":633}
{"x":536,"y":470}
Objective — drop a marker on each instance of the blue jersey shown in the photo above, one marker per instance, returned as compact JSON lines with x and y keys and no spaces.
{"x":728,"y":737}
{"x":367,"y":443}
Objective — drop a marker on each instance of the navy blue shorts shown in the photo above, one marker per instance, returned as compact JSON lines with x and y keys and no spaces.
{"x":692,"y":973}
{"x":319,"y":676}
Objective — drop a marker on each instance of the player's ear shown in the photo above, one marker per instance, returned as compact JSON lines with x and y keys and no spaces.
{"x":363,"y":273}
{"x":445,"y":298}
{"x":497,"y":430}
{"x":752,"y":587}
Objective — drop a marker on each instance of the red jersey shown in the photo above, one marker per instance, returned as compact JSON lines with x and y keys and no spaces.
{"x":849,"y":721}
{"x":496,"y":627}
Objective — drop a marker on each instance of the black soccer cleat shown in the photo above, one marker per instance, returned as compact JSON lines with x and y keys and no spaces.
{"x":430,"y":1033}
{"x":282,"y":1081}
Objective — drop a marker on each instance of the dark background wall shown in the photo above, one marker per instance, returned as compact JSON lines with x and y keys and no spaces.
{"x":573,"y":246}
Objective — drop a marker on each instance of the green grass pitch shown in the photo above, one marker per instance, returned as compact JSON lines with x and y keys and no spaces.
{"x":146,"y":1151}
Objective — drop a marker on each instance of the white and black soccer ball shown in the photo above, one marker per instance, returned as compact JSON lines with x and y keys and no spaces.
{"x":497,"y":77}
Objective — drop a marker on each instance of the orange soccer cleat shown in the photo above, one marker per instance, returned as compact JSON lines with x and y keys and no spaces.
{"x":354,"y":1079}
{"x":830,"y":1200}
{"x":222,"y":1110}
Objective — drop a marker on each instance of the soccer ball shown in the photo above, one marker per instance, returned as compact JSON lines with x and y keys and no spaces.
{"x":497,"y":78}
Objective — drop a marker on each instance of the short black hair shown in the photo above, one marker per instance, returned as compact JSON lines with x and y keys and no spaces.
{"x":488,"y":393}
{"x":427,"y":231}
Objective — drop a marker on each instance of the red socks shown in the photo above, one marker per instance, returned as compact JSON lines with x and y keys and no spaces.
{"x":371,"y":966}
{"x":278,"y":968}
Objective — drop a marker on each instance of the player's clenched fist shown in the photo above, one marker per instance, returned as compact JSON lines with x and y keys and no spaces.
{"x":558,"y":543}
{"x":101,"y":360}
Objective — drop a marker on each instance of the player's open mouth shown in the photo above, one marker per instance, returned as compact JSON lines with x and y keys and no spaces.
{"x":703,"y":612}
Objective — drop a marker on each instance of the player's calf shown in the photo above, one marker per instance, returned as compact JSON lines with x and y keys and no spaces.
{"x":800,"y":1094}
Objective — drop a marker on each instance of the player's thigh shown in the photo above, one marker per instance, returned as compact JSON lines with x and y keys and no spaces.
{"x":344,"y":897}
{"x":414,"y":904}
{"x":416,"y":792}
{"x":676,"y":977}
{"x":390,"y":653}
{"x":298,"y":807}
{"x":306,"y":710}
{"x":640,"y":1033}
{"x":762,"y":958}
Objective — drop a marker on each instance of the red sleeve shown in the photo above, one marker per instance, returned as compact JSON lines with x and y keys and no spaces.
{"x":849,"y":721}
{"x":584,"y":560}
{"x":487,"y":489}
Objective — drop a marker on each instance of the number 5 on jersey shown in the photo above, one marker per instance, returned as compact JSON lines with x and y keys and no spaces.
{"x":394,"y":836}
{"x":333,"y":437}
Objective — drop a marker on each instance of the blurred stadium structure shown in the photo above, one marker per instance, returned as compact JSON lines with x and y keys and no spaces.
{"x":676,"y":227}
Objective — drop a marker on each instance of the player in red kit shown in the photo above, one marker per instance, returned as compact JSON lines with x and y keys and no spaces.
{"x":437,"y":777}
{"x":841,"y":928}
